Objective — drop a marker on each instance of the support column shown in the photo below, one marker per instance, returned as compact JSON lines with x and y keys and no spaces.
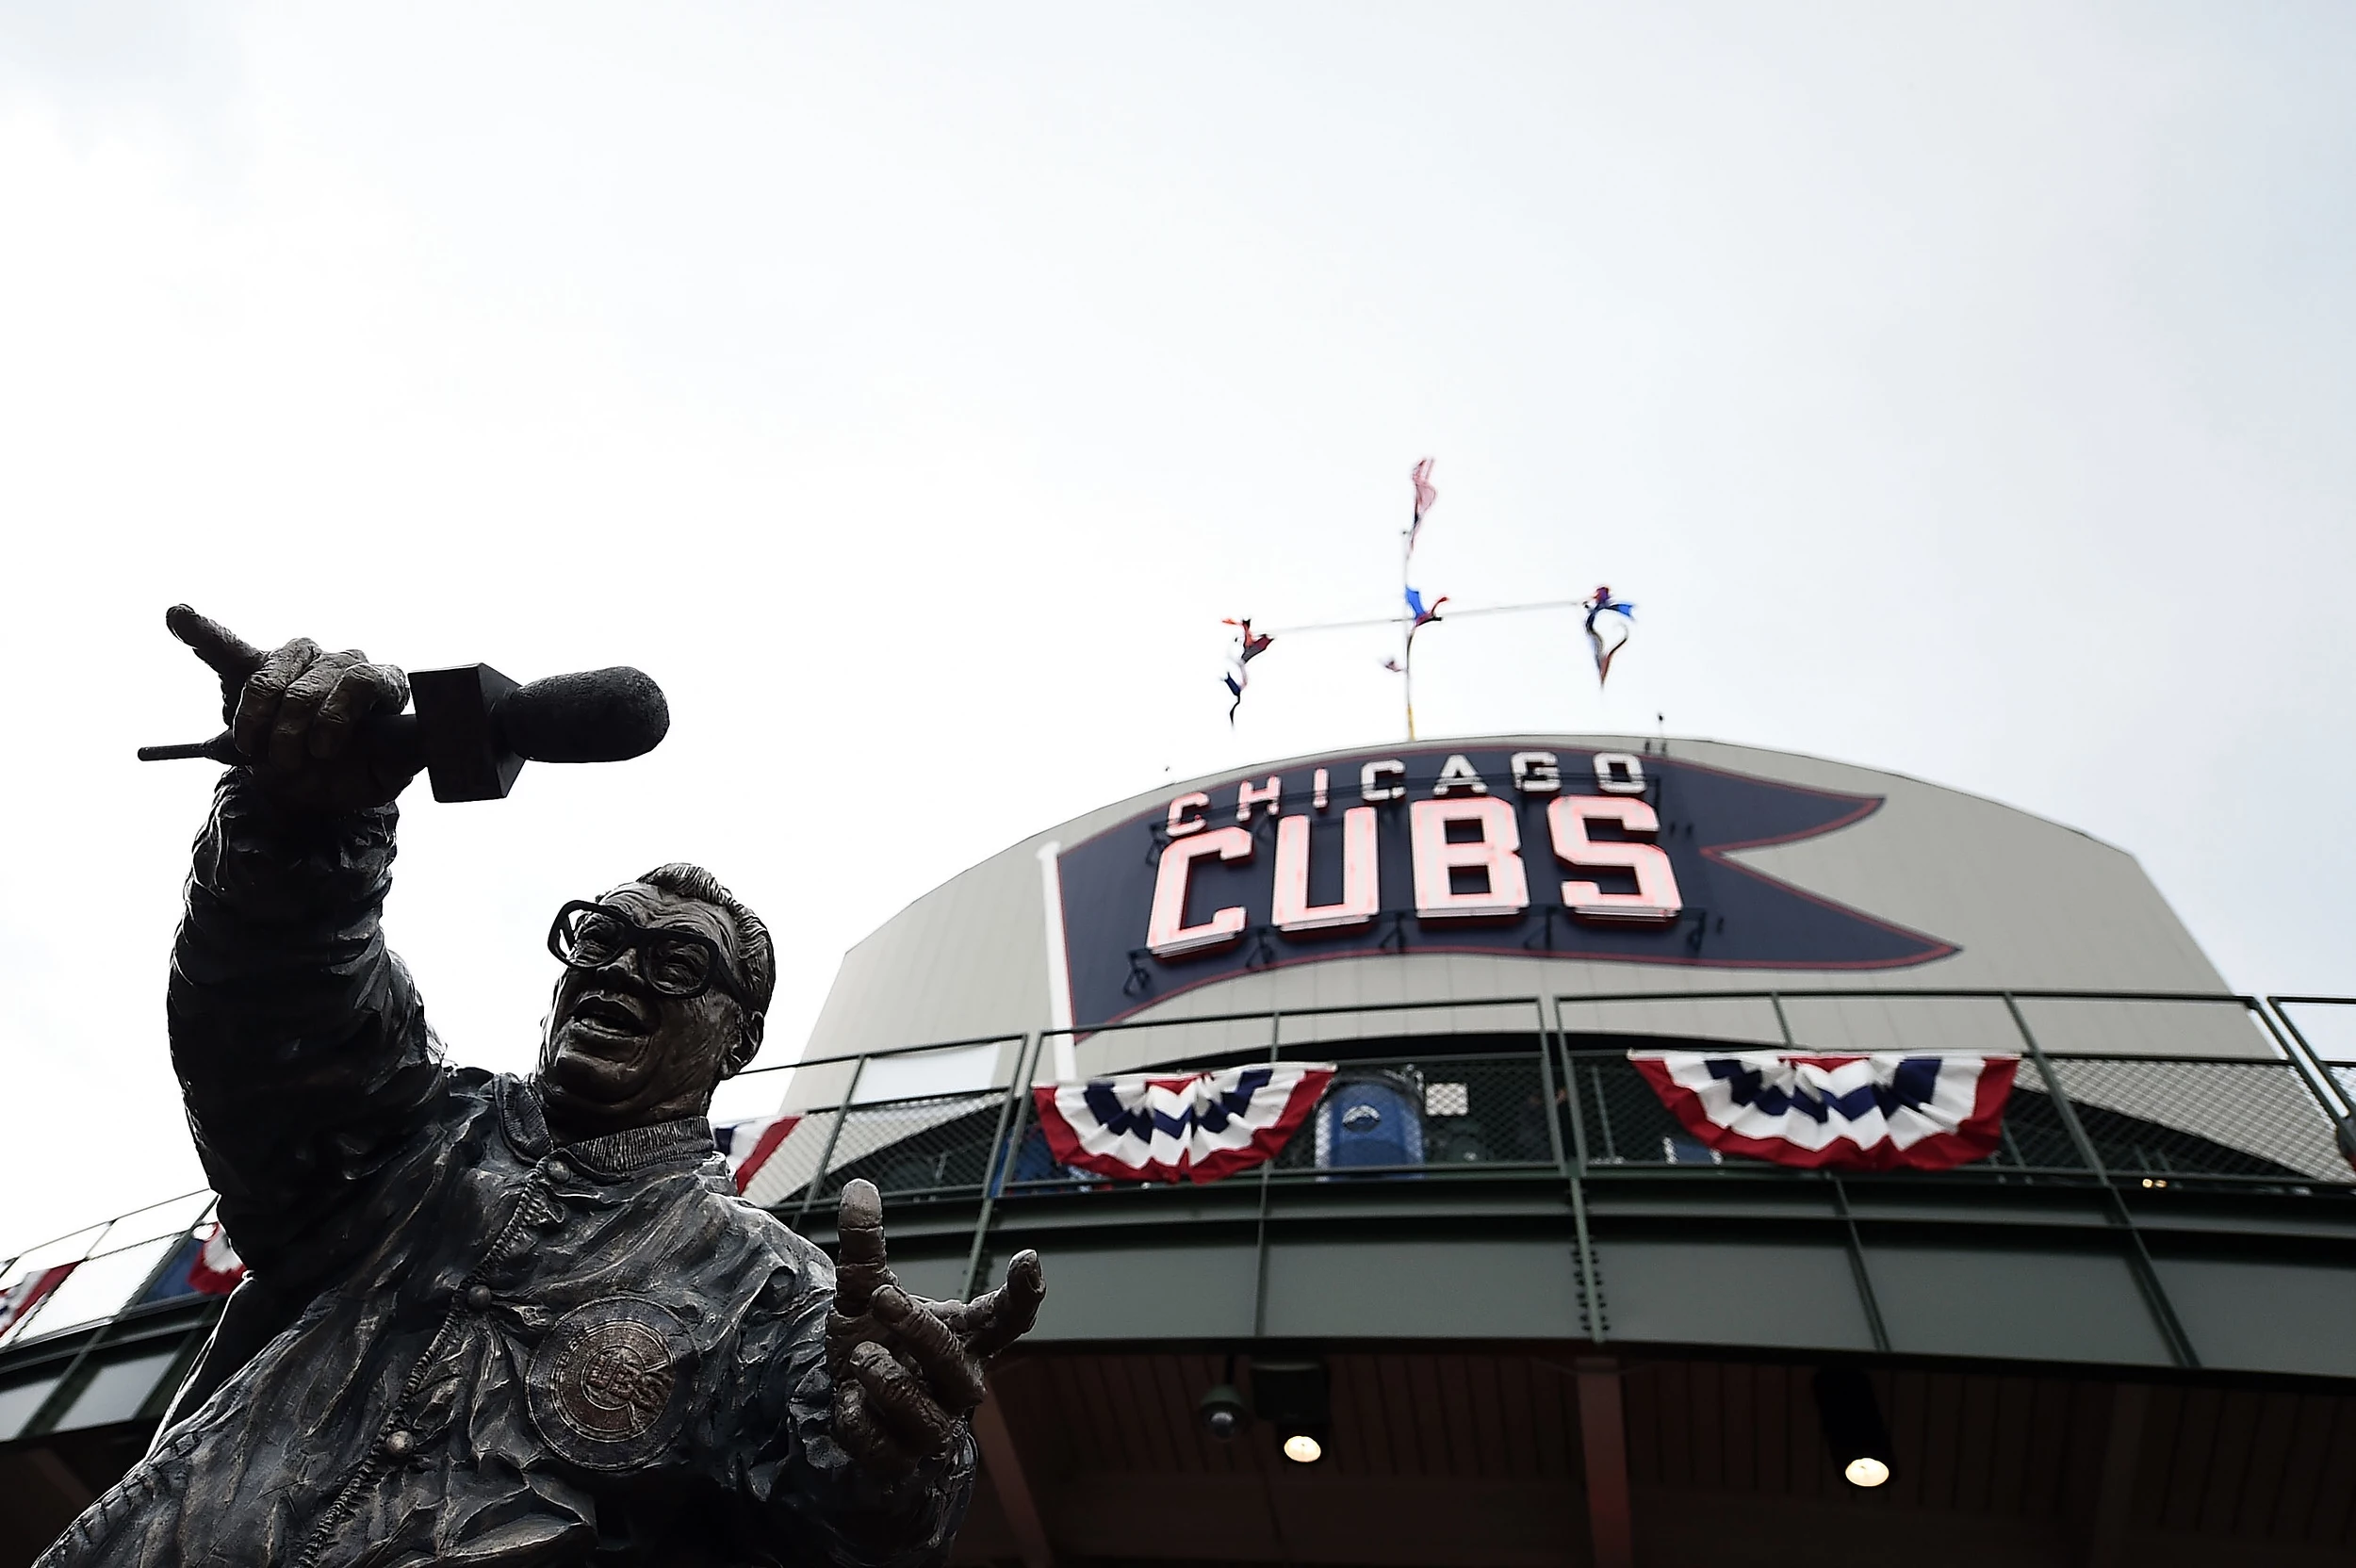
{"x":1004,"y":1463}
{"x":1603,"y":1440}
{"x":2122,"y":1450}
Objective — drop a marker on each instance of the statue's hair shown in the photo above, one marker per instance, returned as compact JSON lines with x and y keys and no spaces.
{"x":756,"y":961}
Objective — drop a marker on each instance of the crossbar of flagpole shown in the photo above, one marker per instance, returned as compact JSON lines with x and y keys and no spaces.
{"x":1511,"y":608}
{"x":1451,"y":616}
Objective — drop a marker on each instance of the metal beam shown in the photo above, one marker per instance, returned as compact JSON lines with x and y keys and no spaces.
{"x":1004,"y":1463}
{"x":2139,"y":1264}
{"x":1591,"y":1314}
{"x":1603,"y":1442}
{"x":998,"y":1165}
{"x":2106,"y":1544}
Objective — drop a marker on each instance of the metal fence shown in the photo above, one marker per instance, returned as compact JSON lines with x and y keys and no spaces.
{"x":1501,"y":1087}
{"x":1494,"y":1089}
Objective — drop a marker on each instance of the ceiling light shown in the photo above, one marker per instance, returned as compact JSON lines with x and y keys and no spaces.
{"x":1294,"y":1397}
{"x":1865,"y":1471}
{"x":1854,"y":1428}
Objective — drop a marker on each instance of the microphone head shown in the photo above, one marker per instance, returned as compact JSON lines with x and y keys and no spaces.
{"x":592,"y":716}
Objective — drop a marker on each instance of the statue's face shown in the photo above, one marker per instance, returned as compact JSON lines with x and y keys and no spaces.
{"x":618,"y":1054}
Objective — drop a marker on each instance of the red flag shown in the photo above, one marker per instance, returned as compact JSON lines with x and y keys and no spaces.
{"x":1425,"y":497}
{"x":216,"y":1269}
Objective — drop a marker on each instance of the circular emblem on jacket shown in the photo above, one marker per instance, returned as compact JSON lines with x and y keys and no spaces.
{"x":609,"y":1385}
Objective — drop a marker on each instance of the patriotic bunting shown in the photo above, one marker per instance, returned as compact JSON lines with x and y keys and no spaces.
{"x":1247,"y":647}
{"x":31,"y":1289}
{"x":748,"y":1145}
{"x":1608,"y":622}
{"x":1195,"y":1128}
{"x":1879,"y":1112}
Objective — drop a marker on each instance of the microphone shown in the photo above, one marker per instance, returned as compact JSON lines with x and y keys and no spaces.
{"x":474,"y":729}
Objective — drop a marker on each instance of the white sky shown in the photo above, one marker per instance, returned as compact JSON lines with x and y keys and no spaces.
{"x":1962,"y":390}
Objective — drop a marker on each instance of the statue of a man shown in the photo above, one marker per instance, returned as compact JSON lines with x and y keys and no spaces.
{"x":493,"y":1320}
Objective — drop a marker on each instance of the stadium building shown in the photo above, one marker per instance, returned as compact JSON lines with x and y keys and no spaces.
{"x":1534,"y":1150}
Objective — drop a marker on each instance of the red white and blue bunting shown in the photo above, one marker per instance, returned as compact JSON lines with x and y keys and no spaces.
{"x":748,"y":1145}
{"x":1879,"y":1112}
{"x":1195,"y":1128}
{"x":31,"y":1289}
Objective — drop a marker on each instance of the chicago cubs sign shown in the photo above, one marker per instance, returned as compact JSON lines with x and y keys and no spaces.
{"x":1592,"y":855}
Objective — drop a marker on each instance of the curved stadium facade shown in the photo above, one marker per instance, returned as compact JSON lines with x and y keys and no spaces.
{"x":1552,"y":1320}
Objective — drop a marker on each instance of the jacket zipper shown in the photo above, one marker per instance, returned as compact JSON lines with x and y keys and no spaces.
{"x":348,"y":1496}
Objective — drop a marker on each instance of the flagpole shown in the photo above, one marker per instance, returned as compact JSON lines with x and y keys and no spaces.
{"x":1407,"y":655}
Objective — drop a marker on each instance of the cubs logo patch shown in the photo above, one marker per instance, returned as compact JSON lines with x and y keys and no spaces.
{"x":609,"y":1385}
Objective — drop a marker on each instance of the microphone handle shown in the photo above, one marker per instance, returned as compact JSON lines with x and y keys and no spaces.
{"x":219,"y":749}
{"x":392,"y":738}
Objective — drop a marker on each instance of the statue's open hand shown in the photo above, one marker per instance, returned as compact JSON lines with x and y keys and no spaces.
{"x":908,"y":1370}
{"x":296,"y":713}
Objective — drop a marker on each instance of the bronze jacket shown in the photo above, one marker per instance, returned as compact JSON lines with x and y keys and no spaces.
{"x":456,"y":1343}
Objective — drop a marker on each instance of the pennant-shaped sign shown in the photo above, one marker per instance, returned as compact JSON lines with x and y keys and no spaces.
{"x":1195,"y":1128}
{"x":1425,"y":498}
{"x":1246,"y":647}
{"x":1608,"y":622}
{"x":1878,"y":1112}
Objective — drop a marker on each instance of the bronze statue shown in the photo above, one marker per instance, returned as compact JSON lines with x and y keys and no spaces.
{"x":492,"y":1320}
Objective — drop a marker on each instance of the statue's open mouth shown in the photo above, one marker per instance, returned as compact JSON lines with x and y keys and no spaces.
{"x":604,"y":1013}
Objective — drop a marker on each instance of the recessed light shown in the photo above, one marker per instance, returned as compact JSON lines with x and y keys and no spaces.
{"x":1866,"y":1471}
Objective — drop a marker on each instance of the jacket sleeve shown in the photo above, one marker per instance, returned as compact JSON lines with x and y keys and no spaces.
{"x":300,"y":1041}
{"x":812,"y":1500}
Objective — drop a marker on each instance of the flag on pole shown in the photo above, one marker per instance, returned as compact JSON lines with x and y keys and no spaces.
{"x":748,"y":1145}
{"x":1194,"y":1127}
{"x":216,"y":1269}
{"x":1246,"y":648}
{"x":31,"y":1289}
{"x":1425,"y":497}
{"x":1882,"y":1111}
{"x":1608,"y":622}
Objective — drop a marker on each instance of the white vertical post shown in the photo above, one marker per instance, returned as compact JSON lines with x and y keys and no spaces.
{"x":1058,"y":964}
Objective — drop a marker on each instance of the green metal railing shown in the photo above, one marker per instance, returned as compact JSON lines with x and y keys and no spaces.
{"x":1508,"y":1091}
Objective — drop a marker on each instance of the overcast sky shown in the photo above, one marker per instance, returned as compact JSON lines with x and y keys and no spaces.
{"x":1962,"y":390}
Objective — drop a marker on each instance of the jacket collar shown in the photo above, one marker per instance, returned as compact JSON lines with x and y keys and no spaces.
{"x":622,"y":1154}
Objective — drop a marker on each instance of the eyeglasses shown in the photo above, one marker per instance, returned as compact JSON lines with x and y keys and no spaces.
{"x":676,"y":963}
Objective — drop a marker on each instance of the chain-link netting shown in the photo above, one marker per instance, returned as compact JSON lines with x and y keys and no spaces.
{"x":1624,"y":1122}
{"x":2154,"y":1121}
{"x":1387,"y":1118}
{"x":937,"y":1144}
{"x":2161,"y":1120}
{"x":2169,"y":1119}
{"x":1414,"y":1117}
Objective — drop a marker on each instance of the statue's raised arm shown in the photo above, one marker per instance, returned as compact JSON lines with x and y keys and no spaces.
{"x":300,"y":1041}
